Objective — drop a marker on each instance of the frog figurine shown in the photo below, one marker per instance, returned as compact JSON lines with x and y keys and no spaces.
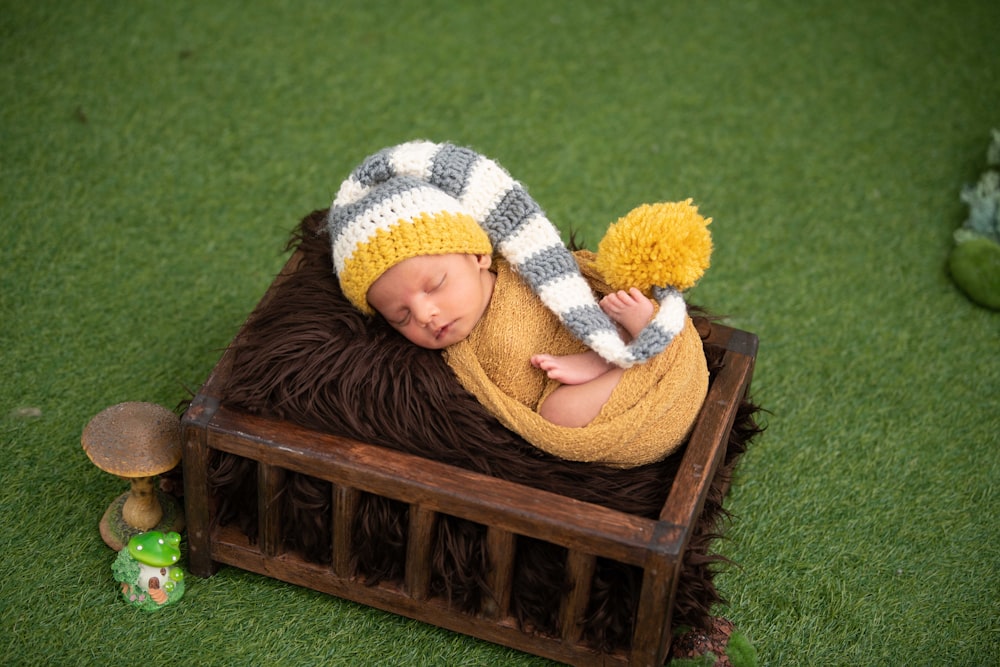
{"x":148,"y":572}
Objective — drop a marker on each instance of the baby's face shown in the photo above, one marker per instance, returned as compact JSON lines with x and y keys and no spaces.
{"x":434,"y":300}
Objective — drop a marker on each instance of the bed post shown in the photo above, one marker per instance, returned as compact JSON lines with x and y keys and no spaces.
{"x":196,"y":464}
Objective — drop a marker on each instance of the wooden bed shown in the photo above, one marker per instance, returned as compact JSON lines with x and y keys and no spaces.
{"x":509,"y":515}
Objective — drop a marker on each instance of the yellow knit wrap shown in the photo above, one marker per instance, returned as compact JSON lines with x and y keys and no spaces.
{"x":648,"y":416}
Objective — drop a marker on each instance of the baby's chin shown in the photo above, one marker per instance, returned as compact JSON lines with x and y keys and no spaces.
{"x":447,"y":340}
{"x":453,"y":333}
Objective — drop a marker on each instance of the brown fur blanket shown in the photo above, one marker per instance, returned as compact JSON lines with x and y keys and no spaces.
{"x":309,"y":357}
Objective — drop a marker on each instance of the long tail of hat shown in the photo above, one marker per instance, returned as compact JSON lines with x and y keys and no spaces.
{"x":520,"y":232}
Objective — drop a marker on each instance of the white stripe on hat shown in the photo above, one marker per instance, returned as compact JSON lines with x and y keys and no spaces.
{"x":351,"y":191}
{"x":563,"y":294}
{"x":672,"y":315}
{"x":414,"y":158}
{"x":608,"y":344}
{"x":535,"y":235}
{"x":487,"y":185}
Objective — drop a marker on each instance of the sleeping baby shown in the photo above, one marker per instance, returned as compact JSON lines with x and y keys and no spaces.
{"x":564,"y":348}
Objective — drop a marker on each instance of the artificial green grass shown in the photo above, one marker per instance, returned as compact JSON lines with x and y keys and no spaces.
{"x":155,"y":157}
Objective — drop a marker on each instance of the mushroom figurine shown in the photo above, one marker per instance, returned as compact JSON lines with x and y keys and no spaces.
{"x":136,"y":441}
{"x":147,"y":570}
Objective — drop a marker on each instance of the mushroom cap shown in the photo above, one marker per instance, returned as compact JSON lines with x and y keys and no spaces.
{"x":155,"y":548}
{"x":133,"y":439}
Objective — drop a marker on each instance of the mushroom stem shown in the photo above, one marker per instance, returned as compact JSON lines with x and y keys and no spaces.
{"x":142,"y":509}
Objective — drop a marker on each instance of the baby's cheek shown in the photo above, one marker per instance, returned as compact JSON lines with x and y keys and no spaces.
{"x":417,"y":336}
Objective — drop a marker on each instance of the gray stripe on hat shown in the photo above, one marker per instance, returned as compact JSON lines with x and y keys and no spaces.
{"x":451,"y":168}
{"x":514,"y":208}
{"x":652,"y":340}
{"x":585,"y":320}
{"x":341,"y":217}
{"x":550,"y":264}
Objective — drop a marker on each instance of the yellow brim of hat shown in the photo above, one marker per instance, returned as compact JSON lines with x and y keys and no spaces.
{"x":440,"y":233}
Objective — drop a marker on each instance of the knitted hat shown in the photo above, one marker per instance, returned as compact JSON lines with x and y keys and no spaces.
{"x":423,"y":198}
{"x":396,"y":219}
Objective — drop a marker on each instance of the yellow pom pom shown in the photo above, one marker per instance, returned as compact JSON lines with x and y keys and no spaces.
{"x":656,"y":245}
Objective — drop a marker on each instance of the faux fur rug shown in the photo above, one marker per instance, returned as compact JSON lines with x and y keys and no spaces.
{"x":307,"y":356}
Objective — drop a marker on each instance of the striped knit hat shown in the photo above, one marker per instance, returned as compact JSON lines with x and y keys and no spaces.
{"x":424,"y":198}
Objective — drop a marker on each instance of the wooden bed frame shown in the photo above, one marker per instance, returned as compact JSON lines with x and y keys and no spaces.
{"x":509,"y":511}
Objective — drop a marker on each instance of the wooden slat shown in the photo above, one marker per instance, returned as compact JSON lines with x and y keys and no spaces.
{"x":705,"y":450}
{"x":345,"y":507}
{"x":651,"y":636}
{"x":436,"y":486}
{"x":501,"y":546}
{"x":419,"y":545}
{"x":572,"y":608}
{"x":270,"y":485}
{"x":197,"y":462}
{"x":435,"y":611}
{"x":707,"y":445}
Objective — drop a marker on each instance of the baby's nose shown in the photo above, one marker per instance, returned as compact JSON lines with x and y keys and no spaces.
{"x":424,"y":313}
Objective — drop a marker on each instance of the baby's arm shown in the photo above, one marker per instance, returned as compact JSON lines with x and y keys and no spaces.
{"x":588,"y":380}
{"x":631,"y":310}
